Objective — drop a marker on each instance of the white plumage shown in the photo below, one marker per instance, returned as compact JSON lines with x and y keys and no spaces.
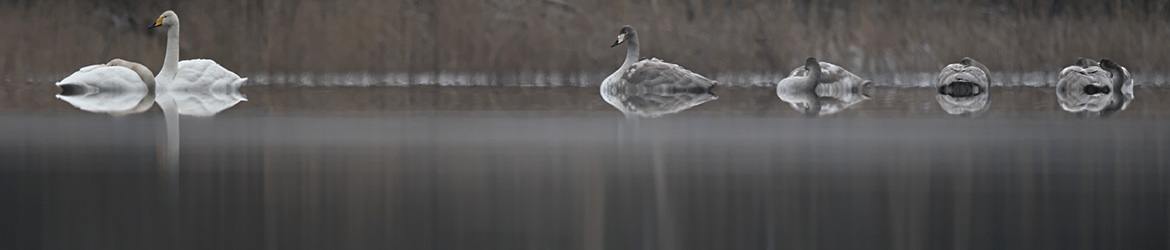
{"x":103,"y":88}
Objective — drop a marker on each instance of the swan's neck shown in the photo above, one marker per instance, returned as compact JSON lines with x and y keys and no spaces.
{"x":171,"y":61}
{"x":631,"y":54}
{"x":144,"y":73}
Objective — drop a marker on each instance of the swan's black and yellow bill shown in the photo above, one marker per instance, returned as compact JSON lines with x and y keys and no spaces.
{"x":156,"y":23}
{"x":620,"y":39}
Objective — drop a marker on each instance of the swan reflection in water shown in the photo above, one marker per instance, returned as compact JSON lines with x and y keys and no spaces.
{"x":110,"y":89}
{"x":638,"y":102}
{"x":963,"y":88}
{"x":821,"y":88}
{"x":1094,"y":88}
{"x":121,"y":87}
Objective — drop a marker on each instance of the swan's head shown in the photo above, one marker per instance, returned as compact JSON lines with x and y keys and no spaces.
{"x":627,"y":33}
{"x":167,"y":19}
{"x":142,"y":71}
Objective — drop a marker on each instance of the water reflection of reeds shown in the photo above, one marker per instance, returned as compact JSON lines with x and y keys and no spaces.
{"x":515,"y":182}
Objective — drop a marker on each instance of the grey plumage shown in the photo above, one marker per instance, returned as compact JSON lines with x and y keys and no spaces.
{"x":652,"y":87}
{"x":963,"y":88}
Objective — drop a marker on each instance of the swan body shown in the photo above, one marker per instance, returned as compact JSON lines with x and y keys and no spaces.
{"x":204,"y":88}
{"x":117,"y":88}
{"x":821,"y":88}
{"x":963,"y":88}
{"x":1091,"y":86}
{"x":196,"y":74}
{"x":652,"y":87}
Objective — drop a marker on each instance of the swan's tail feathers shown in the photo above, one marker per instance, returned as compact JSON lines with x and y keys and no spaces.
{"x":861,"y":89}
{"x":71,"y":89}
{"x":239,"y":82}
{"x":235,"y":88}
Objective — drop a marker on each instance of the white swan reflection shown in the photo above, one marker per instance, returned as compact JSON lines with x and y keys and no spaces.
{"x":120,"y":88}
{"x":963,"y":88}
{"x":1097,"y":88}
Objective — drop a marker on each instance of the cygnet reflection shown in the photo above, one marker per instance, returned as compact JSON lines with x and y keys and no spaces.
{"x":635,"y":101}
{"x":821,"y":88}
{"x":1096,"y":88}
{"x":963,"y":88}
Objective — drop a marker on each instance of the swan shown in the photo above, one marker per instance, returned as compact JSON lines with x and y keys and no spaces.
{"x":118,"y":87}
{"x":1091,"y":86}
{"x":963,"y":88}
{"x":653,"y":77}
{"x":122,"y":87}
{"x":197,"y":74}
{"x":821,"y":88}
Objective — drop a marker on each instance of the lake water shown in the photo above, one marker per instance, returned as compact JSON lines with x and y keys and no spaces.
{"x":308,"y":164}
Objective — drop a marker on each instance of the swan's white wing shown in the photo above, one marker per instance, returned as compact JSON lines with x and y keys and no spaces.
{"x":104,"y":76}
{"x":205,"y":74}
{"x":204,"y":88}
{"x":103,"y":89}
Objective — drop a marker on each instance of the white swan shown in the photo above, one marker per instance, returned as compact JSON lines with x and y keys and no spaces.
{"x":121,"y":87}
{"x":963,"y":88}
{"x":199,"y":74}
{"x":821,"y":88}
{"x":652,"y":77}
{"x":1096,"y":87}
{"x":118,"y":88}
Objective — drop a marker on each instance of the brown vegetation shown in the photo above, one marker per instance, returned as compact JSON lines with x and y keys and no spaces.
{"x":708,"y":36}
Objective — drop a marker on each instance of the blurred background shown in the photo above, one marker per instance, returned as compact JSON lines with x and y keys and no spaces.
{"x":458,"y":124}
{"x":707,"y":36}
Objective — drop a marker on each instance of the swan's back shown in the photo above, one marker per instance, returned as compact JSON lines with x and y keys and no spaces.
{"x":833,"y":81}
{"x":831,"y":73}
{"x":205,"y":74}
{"x":105,"y":77}
{"x":202,"y":87}
{"x":103,"y":89}
{"x":654,"y":75}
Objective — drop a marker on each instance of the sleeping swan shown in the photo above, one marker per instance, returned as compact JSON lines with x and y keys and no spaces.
{"x":118,"y":88}
{"x":963,"y":88}
{"x":200,"y":74}
{"x":821,"y":88}
{"x":652,"y":87}
{"x":1094,"y":87}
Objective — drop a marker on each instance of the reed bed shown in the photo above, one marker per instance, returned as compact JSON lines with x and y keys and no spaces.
{"x":707,"y":36}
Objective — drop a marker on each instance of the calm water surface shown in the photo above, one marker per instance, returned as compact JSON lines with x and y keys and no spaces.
{"x":479,"y":167}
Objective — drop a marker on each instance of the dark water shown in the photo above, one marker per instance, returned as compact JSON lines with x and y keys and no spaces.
{"x":430,"y":167}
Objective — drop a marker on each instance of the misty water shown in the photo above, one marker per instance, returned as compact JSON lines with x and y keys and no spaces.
{"x":309,"y":162}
